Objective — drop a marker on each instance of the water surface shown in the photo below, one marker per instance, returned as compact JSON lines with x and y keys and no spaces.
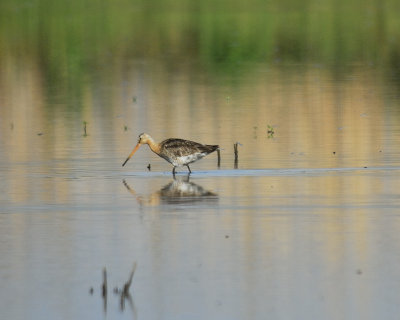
{"x":304,"y":226}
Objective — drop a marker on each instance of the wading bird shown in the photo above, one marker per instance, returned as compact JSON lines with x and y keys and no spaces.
{"x":178,"y":152}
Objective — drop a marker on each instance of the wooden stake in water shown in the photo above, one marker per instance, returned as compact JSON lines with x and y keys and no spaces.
{"x":235,"y":150}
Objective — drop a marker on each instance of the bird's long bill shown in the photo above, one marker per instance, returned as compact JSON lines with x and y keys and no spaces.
{"x":130,"y":156}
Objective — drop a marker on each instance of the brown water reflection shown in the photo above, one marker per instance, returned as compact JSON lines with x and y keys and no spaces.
{"x":319,"y":121}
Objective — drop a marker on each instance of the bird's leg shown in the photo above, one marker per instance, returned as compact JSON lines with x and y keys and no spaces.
{"x":187,"y":177}
{"x":190,"y":171}
{"x":173,"y":171}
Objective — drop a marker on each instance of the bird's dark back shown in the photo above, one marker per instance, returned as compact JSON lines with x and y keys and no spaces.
{"x":181,"y":147}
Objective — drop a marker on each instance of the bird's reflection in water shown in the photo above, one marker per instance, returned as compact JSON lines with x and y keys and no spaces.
{"x":179,"y":190}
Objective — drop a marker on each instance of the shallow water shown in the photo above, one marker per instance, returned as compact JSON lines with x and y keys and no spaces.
{"x":228,"y":244}
{"x":305,"y":225}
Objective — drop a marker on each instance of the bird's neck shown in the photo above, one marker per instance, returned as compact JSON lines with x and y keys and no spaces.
{"x":154,"y":146}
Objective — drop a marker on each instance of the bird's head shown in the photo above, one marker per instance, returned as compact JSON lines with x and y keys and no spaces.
{"x":144,"y":138}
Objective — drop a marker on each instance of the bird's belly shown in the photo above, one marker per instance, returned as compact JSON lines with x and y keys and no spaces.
{"x":184,"y":160}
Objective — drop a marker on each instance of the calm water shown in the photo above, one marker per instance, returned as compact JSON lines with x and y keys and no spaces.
{"x":305,"y":226}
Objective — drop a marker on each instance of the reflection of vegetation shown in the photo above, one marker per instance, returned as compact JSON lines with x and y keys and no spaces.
{"x":70,"y":38}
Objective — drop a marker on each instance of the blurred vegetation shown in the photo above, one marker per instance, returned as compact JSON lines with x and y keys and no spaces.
{"x":71,"y":39}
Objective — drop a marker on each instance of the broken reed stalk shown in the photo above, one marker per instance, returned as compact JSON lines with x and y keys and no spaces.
{"x":235,"y":149}
{"x":219,"y":158}
{"x":125,"y":291}
{"x":127,"y":285}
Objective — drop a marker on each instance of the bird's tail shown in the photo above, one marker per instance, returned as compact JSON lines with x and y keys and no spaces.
{"x":212,"y":148}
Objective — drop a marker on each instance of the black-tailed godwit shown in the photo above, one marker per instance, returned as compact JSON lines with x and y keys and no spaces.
{"x":178,"y":152}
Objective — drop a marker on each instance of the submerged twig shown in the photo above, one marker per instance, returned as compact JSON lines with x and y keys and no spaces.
{"x":104,"y":286}
{"x":104,"y":289}
{"x":84,"y":129}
